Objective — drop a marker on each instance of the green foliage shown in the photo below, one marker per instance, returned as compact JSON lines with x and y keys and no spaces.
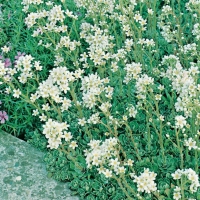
{"x":150,"y":135}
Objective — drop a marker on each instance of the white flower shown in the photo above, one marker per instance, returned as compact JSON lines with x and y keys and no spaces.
{"x":67,"y":136}
{"x":192,"y":177}
{"x":114,"y":162}
{"x":130,"y":162}
{"x":107,"y":173}
{"x":177,"y":175}
{"x":180,"y":121}
{"x":94,"y":119}
{"x":177,"y":189}
{"x":158,"y":97}
{"x":120,"y":170}
{"x":73,"y":145}
{"x":35,"y":112}
{"x":137,"y":17}
{"x":5,"y":49}
{"x":161,"y":118}
{"x":49,"y":3}
{"x":17,"y":93}
{"x":37,"y":66}
{"x":8,"y":90}
{"x":132,"y":111}
{"x":177,"y":195}
{"x":45,"y":107}
{"x":43,"y":117}
{"x":105,"y":107}
{"x":167,"y":135}
{"x":82,"y":121}
{"x":33,"y":97}
{"x":125,"y":118}
{"x":150,"y":11}
{"x":161,"y":87}
{"x":102,"y":154}
{"x":94,"y":144}
{"x":190,"y":143}
{"x":101,"y":170}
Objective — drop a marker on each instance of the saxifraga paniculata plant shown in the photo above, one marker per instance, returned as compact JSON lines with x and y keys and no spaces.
{"x":120,"y":109}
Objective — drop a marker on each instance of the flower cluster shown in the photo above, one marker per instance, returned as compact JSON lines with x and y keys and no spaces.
{"x":196,"y":31}
{"x":146,"y":181}
{"x":177,"y":193}
{"x":56,"y":84}
{"x":133,"y":71}
{"x":55,"y":131}
{"x":92,"y":87}
{"x":6,"y":69}
{"x":105,"y":156}
{"x":54,"y":15}
{"x":2,"y":69}
{"x":146,"y":42}
{"x":106,"y":80}
{"x":99,"y":44}
{"x":167,"y":29}
{"x":65,"y":42}
{"x":191,"y":176}
{"x":25,"y":66}
{"x":184,"y":82}
{"x":94,"y":119}
{"x":142,"y":85}
{"x":29,"y":2}
{"x":180,"y":121}
{"x":192,"y":5}
{"x":96,"y":6}
{"x":132,"y":111}
{"x":189,"y":48}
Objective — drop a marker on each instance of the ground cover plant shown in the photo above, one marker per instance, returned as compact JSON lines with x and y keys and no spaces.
{"x":111,"y":94}
{"x":15,"y":35}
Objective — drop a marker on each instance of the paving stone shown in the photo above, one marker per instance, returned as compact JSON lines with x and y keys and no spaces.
{"x":23,"y":175}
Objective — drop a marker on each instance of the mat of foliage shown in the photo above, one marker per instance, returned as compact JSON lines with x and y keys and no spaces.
{"x":109,"y":89}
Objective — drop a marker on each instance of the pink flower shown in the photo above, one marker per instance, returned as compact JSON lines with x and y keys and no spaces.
{"x":19,"y":54}
{"x":7,"y":62}
{"x":3,"y":117}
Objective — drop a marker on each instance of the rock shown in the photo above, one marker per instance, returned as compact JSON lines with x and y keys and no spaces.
{"x":23,"y":175}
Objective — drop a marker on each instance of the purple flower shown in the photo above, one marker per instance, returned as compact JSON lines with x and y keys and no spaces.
{"x":1,"y":57}
{"x":7,"y":62}
{"x":3,"y":117}
{"x":19,"y":54}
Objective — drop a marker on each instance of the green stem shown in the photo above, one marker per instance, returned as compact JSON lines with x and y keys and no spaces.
{"x":56,"y":109}
{"x":123,"y":189}
{"x":148,"y":132}
{"x":182,"y":188}
{"x":179,"y":148}
{"x":80,"y":110}
{"x":128,"y":186}
{"x":133,"y":141}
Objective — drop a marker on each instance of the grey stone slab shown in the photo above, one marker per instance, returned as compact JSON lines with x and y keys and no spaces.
{"x":23,"y":175}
